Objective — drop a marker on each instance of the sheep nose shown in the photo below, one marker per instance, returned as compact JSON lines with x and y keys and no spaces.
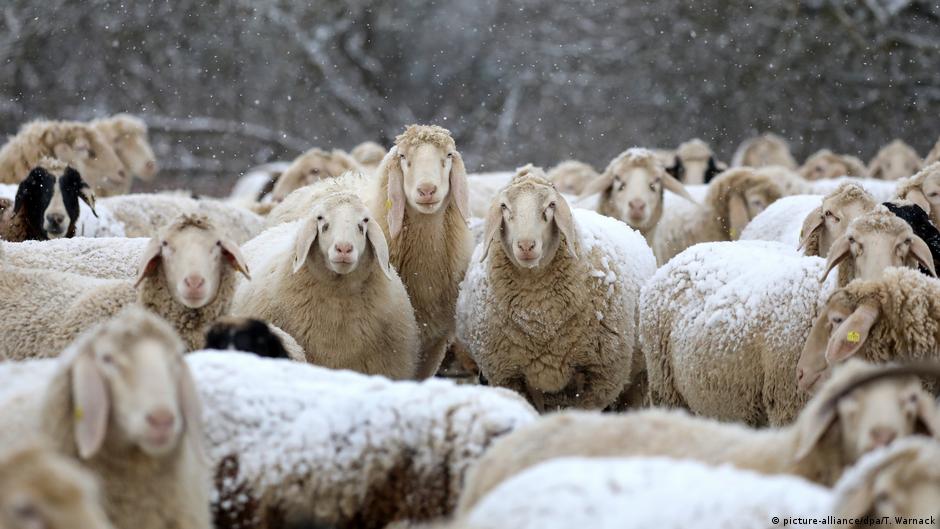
{"x":55,"y":218}
{"x":343,"y":247}
{"x":882,"y":436}
{"x":194,"y":281}
{"x":121,"y":173}
{"x":637,"y":205}
{"x":526,"y":246}
{"x":427,"y":190}
{"x":161,"y":419}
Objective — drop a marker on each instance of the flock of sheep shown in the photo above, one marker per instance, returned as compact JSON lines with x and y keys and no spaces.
{"x":761,"y":337}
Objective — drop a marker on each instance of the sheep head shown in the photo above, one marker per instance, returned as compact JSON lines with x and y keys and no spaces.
{"x":826,"y":164}
{"x":697,"y":161}
{"x":130,"y":385}
{"x":632,"y":188}
{"x":878,"y":240}
{"x":825,"y":224}
{"x":128,"y":137}
{"x":738,"y":195}
{"x":766,"y":149}
{"x":900,"y":480}
{"x":531,"y":217}
{"x":40,"y":489}
{"x":894,"y":161}
{"x":368,"y":154}
{"x":89,"y":152}
{"x":571,"y":176}
{"x":866,"y":407}
{"x":191,"y":254}
{"x":48,"y":199}
{"x":425,"y":173}
{"x":923,"y":189}
{"x":311,"y":166}
{"x":344,"y":232}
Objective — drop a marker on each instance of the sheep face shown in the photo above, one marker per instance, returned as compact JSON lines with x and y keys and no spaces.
{"x":49,"y":200}
{"x":308,"y":168}
{"x":128,"y":136}
{"x":131,"y":385}
{"x":833,"y":218}
{"x":532,"y":217}
{"x":876,"y":241}
{"x":927,"y":196}
{"x":425,"y":172}
{"x":94,"y":158}
{"x":768,"y":150}
{"x":896,"y":160}
{"x":191,"y":258}
{"x":41,"y":489}
{"x":344,"y":232}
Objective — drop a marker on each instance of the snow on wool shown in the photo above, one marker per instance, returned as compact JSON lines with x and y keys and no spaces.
{"x":782,"y":220}
{"x":612,"y":493}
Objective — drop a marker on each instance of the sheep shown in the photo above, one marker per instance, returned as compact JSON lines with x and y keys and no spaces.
{"x":253,"y":336}
{"x":920,"y":224}
{"x":822,"y":226}
{"x":40,"y":489}
{"x":326,"y":280}
{"x":923,"y":189}
{"x":733,"y":199}
{"x":256,"y":183}
{"x":127,"y":135}
{"x":783,"y":221}
{"x":695,"y":163}
{"x":790,"y":182}
{"x":894,"y":161}
{"x":483,"y":187}
{"x":77,"y":144}
{"x":893,"y":318}
{"x":849,"y":417}
{"x":143,"y":215}
{"x":46,"y":204}
{"x":368,"y":155}
{"x":185,"y":274}
{"x":824,"y":164}
{"x":719,"y":303}
{"x":103,"y":258}
{"x":571,"y":176}
{"x":897,"y":481}
{"x":766,"y":149}
{"x":549,"y":306}
{"x":933,"y":155}
{"x":310,"y":167}
{"x":122,"y":402}
{"x":632,"y":190}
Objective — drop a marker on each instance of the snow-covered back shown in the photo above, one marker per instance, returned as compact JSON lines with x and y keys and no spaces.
{"x":642,"y":493}
{"x":104,"y":257}
{"x":782,"y":220}
{"x":881,"y":190}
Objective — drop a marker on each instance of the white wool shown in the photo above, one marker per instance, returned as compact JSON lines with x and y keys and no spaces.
{"x":782,"y":220}
{"x":105,"y":257}
{"x":314,"y":439}
{"x":483,"y":187}
{"x":611,"y":493}
{"x":880,"y":190}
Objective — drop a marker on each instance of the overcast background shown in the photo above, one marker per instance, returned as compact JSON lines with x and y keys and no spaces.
{"x":230,"y":84}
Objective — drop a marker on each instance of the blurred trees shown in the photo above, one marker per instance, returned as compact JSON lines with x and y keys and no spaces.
{"x":227,"y":84}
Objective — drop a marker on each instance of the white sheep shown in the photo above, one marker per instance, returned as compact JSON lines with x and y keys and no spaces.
{"x":900,"y":480}
{"x":549,"y":305}
{"x":77,"y":144}
{"x":368,"y":154}
{"x":186,"y":274}
{"x":894,"y":161}
{"x":122,"y":402}
{"x":42,"y":489}
{"x":782,"y":221}
{"x":923,"y":189}
{"x":127,"y":135}
{"x":825,"y":164}
{"x":103,"y":258}
{"x":860,"y":409}
{"x":880,"y":190}
{"x":570,"y":176}
{"x":766,"y":149}
{"x":326,"y":280}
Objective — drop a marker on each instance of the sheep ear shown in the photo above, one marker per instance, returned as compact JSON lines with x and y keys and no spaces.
{"x":234,"y":256}
{"x":379,"y":246}
{"x":737,"y":215}
{"x":459,"y":186}
{"x":814,"y":430}
{"x":858,"y":499}
{"x":676,"y":187}
{"x":306,"y":236}
{"x":494,"y":222}
{"x":917,"y":196}
{"x":921,"y":253}
{"x":191,"y":406}
{"x":149,"y":261}
{"x":812,"y":223}
{"x":851,"y":335}
{"x":837,"y":253}
{"x":600,"y":184}
{"x":390,"y":169}
{"x":88,"y":197}
{"x":565,"y":223}
{"x":926,"y":411}
{"x":26,"y":189}
{"x":90,"y":404}
{"x":712,"y":170}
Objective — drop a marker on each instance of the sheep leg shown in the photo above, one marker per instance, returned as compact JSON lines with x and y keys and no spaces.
{"x":536,"y":398}
{"x":431,"y":358}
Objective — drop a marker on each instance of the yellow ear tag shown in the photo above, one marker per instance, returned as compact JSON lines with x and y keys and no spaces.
{"x":388,"y":204}
{"x":734,"y":233}
{"x":79,"y":413}
{"x":853,"y":337}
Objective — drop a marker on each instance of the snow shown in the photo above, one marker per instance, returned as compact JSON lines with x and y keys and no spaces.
{"x":609,"y":493}
{"x":782,"y":220}
{"x":881,"y":190}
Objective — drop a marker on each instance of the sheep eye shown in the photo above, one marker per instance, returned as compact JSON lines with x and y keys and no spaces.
{"x":401,"y":157}
{"x":108,"y":359}
{"x":653,"y":186}
{"x":621,"y":186}
{"x":851,"y":240}
{"x":450,"y":155}
{"x":314,"y":171}
{"x":92,"y":154}
{"x":504,"y":207}
{"x":365,"y":220}
{"x":218,"y":243}
{"x":165,"y":244}
{"x":551,"y":205}
{"x":319,"y":217}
